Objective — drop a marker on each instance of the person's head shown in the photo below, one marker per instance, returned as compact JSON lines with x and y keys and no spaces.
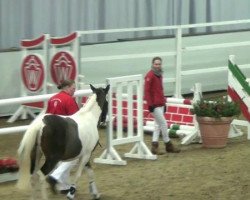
{"x":68,"y":86}
{"x":156,"y":65}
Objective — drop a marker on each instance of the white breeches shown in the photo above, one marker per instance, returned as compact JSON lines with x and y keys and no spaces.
{"x":62,"y":174}
{"x":160,"y":125}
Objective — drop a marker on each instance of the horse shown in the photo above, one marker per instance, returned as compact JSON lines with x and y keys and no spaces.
{"x":53,"y":138}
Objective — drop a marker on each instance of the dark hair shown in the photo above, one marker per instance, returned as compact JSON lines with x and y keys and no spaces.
{"x":65,"y":83}
{"x":156,"y":58}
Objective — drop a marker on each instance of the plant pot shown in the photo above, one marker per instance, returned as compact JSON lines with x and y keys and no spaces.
{"x":214,"y":132}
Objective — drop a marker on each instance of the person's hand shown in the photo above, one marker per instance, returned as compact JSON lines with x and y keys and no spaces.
{"x":151,"y":108}
{"x":165,"y":108}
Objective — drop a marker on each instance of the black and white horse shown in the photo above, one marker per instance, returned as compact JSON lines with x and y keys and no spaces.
{"x":52,"y":138}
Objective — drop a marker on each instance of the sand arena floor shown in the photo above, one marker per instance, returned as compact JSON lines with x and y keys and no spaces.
{"x":194,"y":174}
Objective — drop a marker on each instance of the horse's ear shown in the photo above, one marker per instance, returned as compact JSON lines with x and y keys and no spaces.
{"x":92,"y":87}
{"x":107,"y":88}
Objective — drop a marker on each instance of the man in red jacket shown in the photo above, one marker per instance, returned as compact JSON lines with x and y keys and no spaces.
{"x":154,"y":96}
{"x":63,"y":103}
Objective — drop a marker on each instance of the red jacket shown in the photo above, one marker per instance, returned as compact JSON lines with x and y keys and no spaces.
{"x":62,"y":104}
{"x":153,"y":90}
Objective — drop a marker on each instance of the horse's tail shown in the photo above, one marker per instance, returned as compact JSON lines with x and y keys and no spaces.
{"x":24,"y":154}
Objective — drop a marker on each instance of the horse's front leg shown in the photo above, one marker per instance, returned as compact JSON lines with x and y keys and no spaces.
{"x":91,"y":178}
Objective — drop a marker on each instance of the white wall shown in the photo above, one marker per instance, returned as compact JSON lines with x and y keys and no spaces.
{"x":21,"y":19}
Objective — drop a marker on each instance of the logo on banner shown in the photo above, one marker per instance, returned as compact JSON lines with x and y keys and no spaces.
{"x":32,"y":72}
{"x":62,"y":67}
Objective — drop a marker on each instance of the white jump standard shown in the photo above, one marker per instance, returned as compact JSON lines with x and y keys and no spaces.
{"x":140,"y":150}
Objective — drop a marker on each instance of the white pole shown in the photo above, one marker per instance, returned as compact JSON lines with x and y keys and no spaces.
{"x":16,"y":129}
{"x":178,"y":63}
{"x":44,"y":97}
{"x":30,"y":99}
{"x":232,"y":59}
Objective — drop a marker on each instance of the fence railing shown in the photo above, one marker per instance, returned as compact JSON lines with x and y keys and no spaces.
{"x":176,"y":52}
{"x":179,"y":50}
{"x":31,"y":99}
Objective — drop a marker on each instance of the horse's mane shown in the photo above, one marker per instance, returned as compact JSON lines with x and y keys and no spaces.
{"x":89,"y":104}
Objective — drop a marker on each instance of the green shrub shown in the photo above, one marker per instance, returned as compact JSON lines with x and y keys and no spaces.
{"x":220,"y":107}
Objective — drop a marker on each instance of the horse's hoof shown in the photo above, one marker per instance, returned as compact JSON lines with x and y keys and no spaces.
{"x":70,"y":196}
{"x":71,"y":193}
{"x":96,"y":196}
{"x":52,"y":182}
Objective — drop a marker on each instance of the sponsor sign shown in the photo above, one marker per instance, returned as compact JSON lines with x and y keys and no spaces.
{"x":63,"y":66}
{"x":32,"y":72}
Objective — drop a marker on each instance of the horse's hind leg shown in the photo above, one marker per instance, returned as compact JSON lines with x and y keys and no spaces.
{"x":37,"y":178}
{"x":38,"y":184}
{"x":35,"y":184}
{"x":43,"y":185}
{"x":48,"y":166}
{"x":92,"y":185}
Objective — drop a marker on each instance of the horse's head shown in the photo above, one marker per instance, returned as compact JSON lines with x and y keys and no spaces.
{"x":101,"y":98}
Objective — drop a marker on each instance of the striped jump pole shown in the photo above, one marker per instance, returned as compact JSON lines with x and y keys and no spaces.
{"x":239,"y":91}
{"x":171,"y":100}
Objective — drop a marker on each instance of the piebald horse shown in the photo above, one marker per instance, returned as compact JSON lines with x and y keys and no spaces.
{"x":52,"y":138}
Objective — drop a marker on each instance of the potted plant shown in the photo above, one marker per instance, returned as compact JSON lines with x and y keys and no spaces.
{"x":214,"y":118}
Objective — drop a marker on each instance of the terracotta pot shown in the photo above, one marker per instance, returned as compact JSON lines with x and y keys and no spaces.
{"x":214,"y":132}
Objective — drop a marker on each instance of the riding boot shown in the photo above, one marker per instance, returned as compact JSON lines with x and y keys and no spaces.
{"x":170,"y":148}
{"x":154,"y":148}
